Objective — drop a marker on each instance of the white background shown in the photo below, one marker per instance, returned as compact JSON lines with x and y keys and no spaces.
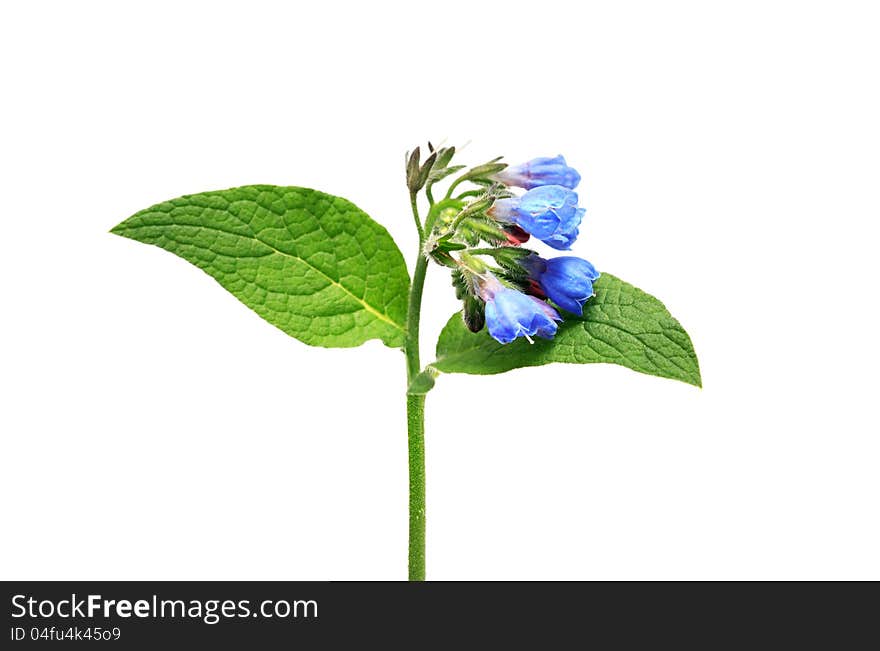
{"x":154,"y":428}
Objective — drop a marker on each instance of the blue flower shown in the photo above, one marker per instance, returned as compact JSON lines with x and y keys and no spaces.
{"x":567,"y":281}
{"x":538,"y":172}
{"x":549,"y":212}
{"x":511,"y":314}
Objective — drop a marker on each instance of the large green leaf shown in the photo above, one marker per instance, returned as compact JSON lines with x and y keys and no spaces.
{"x":621,"y":325}
{"x":312,"y":264}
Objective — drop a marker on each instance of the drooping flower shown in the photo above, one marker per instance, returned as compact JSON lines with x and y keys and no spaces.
{"x":567,"y":280}
{"x":511,"y":314}
{"x":538,"y":172}
{"x":549,"y":212}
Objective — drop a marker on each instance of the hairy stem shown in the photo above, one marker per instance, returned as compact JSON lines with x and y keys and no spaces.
{"x":413,"y":365}
{"x":415,"y":416}
{"x":415,"y":420}
{"x":415,"y":211}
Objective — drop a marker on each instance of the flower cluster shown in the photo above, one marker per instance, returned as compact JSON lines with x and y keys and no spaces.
{"x":479,"y":233}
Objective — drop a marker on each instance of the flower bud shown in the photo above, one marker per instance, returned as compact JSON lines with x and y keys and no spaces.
{"x":515,"y":235}
{"x":474,"y":313}
{"x":538,"y":172}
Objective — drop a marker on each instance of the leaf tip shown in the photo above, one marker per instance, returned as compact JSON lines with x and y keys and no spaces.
{"x":696,"y":379}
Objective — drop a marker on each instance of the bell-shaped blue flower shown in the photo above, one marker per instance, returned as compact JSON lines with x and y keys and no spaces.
{"x":567,"y":281}
{"x":511,"y":314}
{"x":538,"y":172}
{"x":549,"y":212}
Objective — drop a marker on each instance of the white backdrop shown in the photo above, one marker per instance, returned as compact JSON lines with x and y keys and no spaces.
{"x":153,"y":427}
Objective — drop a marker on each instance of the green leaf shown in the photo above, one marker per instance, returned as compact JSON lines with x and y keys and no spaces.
{"x":314,"y":265}
{"x":621,"y":325}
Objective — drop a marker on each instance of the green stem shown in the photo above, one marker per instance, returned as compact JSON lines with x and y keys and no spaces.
{"x":470,"y":193}
{"x":415,"y":420}
{"x":415,"y":417}
{"x":453,"y":185}
{"x":413,"y":365}
{"x":415,"y":211}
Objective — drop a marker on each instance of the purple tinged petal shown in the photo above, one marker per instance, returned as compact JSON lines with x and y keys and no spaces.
{"x":511,"y":314}
{"x":540,"y":172}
